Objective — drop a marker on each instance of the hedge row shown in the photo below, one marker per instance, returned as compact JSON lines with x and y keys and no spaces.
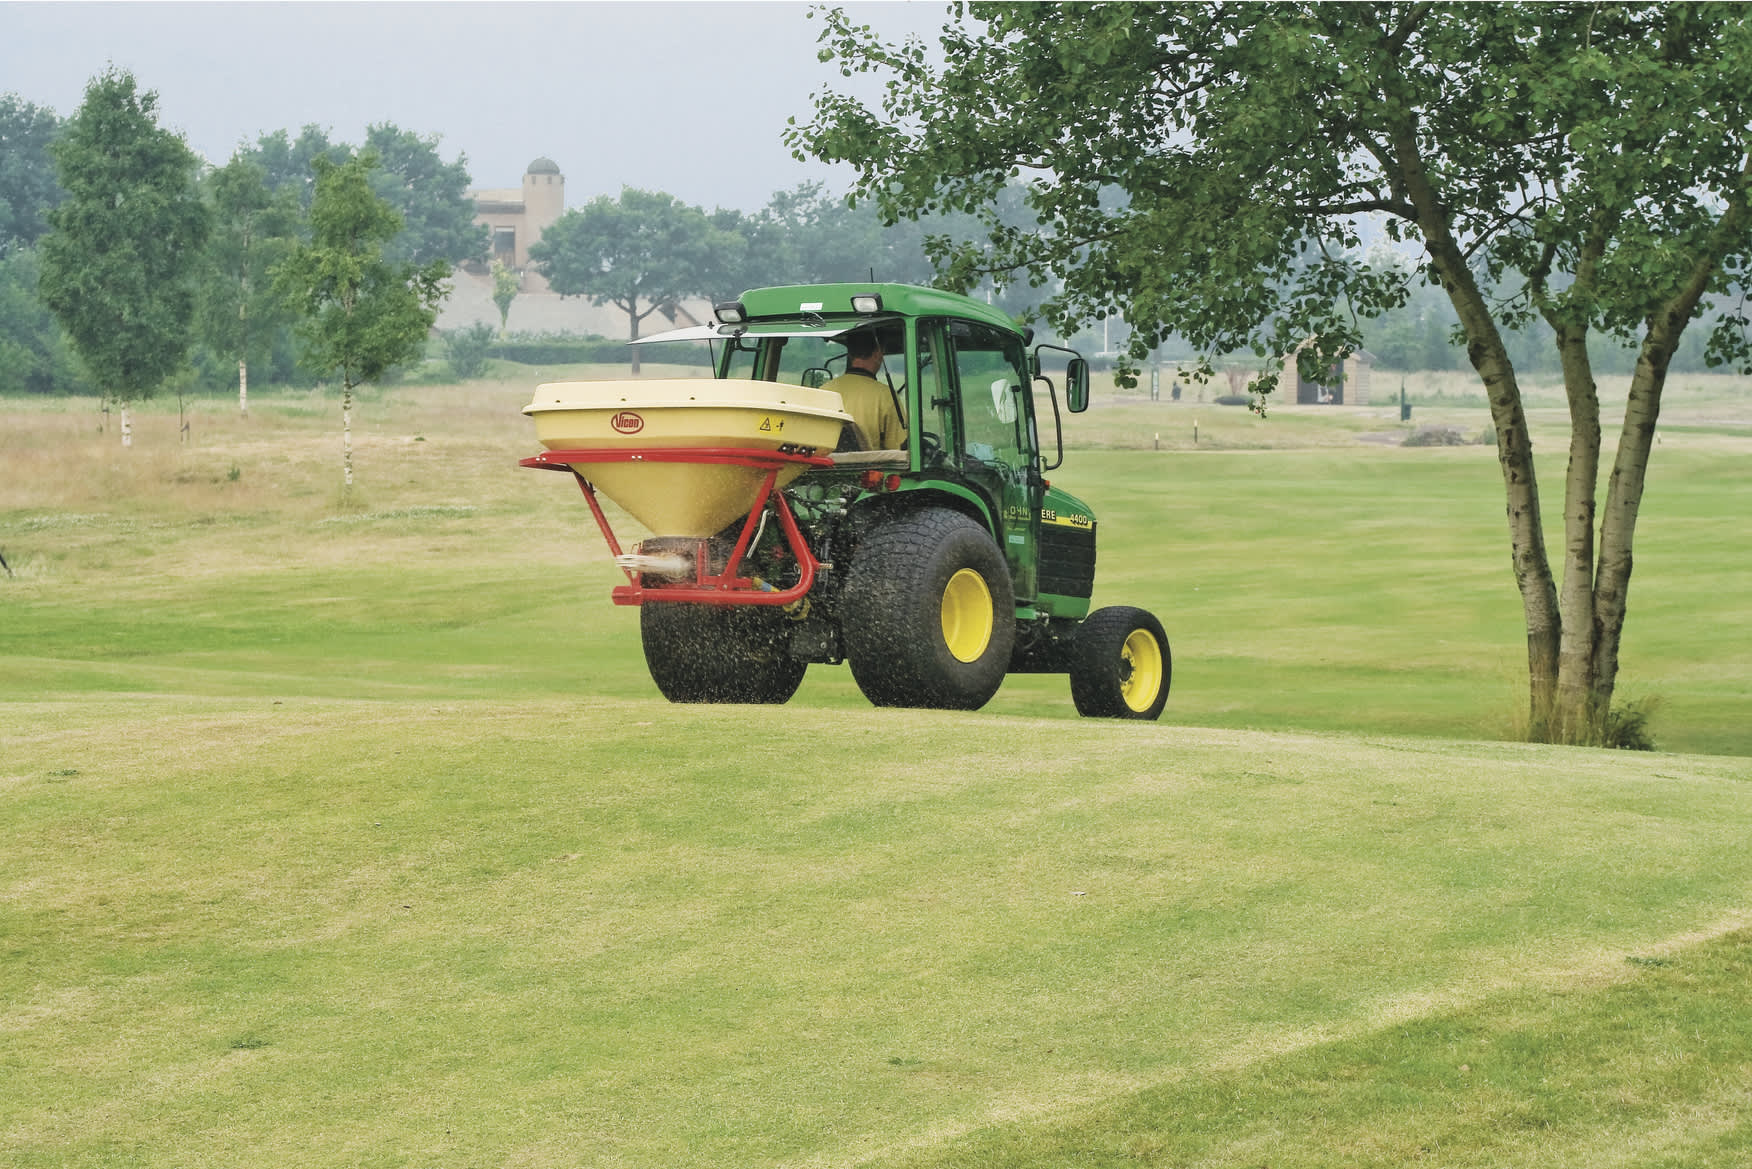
{"x":576,"y":350}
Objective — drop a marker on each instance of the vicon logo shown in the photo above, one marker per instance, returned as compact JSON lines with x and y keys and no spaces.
{"x":627,"y":422}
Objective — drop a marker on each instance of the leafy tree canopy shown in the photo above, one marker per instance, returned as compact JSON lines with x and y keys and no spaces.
{"x":118,"y":266}
{"x":289,"y":163}
{"x":255,"y":226}
{"x":1209,"y":170}
{"x":34,"y":355}
{"x":643,"y":252}
{"x":28,"y":188}
{"x":429,"y":193}
{"x":806,"y":236}
{"x":645,"y":247}
{"x":361,"y":313}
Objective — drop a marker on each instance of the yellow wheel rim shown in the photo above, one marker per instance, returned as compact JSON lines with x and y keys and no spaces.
{"x":967,"y":615}
{"x":1140,"y":671}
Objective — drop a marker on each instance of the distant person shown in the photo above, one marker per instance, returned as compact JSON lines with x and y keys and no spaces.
{"x":1175,"y":391}
{"x":867,"y":397}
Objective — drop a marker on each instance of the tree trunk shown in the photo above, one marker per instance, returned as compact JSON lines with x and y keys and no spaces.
{"x":1573,"y":718}
{"x":1485,"y":350}
{"x":633,"y":320}
{"x":1635,"y":442}
{"x":347,"y":434}
{"x":243,"y":350}
{"x":127,"y":427}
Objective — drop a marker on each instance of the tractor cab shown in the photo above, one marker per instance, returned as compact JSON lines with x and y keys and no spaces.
{"x":972,"y":398}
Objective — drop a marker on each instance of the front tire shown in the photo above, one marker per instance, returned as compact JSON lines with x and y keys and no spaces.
{"x":928,"y":613}
{"x":718,"y":653}
{"x":1120,"y":665}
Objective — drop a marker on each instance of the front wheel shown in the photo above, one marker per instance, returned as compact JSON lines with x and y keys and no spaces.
{"x":1120,"y":665}
{"x":928,"y":614}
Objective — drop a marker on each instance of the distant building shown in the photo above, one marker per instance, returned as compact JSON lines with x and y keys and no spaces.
{"x":1345,"y":384}
{"x":517,"y":216}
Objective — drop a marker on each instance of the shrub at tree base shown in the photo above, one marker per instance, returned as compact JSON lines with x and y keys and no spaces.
{"x":468,"y":349}
{"x":1435,"y":436}
{"x":584,"y":350}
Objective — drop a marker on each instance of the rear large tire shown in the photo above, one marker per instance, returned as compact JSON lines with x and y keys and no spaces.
{"x":718,"y":653}
{"x":928,"y":614}
{"x":1120,"y":665}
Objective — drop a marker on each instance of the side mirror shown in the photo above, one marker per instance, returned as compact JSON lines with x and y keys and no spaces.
{"x":1077,"y":385}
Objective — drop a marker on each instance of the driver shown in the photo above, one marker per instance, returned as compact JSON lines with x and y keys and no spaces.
{"x":866,"y":395}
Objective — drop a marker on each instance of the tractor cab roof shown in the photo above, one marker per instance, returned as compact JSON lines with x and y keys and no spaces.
{"x":828,"y":311}
{"x":833,"y":303}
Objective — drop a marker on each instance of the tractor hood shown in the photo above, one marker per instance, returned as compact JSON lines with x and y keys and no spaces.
{"x":1061,"y":509}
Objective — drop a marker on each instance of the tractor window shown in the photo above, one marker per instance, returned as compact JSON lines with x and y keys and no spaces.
{"x":936,"y":404}
{"x":809,"y":361}
{"x":988,"y":367}
{"x":739,"y":361}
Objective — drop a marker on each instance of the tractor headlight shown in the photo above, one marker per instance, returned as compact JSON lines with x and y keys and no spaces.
{"x":730,"y":312}
{"x":866,"y":303}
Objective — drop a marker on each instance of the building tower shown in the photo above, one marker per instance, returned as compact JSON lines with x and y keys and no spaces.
{"x":544,"y":199}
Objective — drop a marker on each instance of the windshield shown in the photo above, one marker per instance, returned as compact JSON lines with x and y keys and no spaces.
{"x":803,"y":354}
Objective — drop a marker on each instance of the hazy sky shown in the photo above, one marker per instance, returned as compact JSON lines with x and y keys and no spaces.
{"x":687,"y":98}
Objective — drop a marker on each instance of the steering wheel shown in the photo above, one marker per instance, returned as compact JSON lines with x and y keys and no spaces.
{"x":930,"y":449}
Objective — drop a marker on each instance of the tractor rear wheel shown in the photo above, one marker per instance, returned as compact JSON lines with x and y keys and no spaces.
{"x":718,"y":653}
{"x":928,"y":614}
{"x":1120,"y":665}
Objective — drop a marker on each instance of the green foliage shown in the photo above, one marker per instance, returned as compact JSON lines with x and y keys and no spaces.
{"x":290,"y":163}
{"x":562,"y":349}
{"x":468,"y":349}
{"x":360,"y":313}
{"x":118,"y":267}
{"x":506,"y":284}
{"x":28,"y":187}
{"x":1209,"y":177}
{"x":255,"y":228}
{"x":34,"y":355}
{"x":431,"y":194}
{"x":804,"y":236}
{"x":571,"y":349}
{"x":640,"y":252}
{"x":1627,"y":725}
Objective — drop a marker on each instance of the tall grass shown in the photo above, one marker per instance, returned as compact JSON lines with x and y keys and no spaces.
{"x":1319,"y":583}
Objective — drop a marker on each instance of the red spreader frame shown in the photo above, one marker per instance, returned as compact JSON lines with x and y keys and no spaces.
{"x":707,"y":588}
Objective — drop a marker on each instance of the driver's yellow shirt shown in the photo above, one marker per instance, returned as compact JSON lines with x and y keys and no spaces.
{"x":871,"y":404}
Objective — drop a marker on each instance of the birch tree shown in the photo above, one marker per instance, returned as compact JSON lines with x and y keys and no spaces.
{"x":1212,"y":171}
{"x":124,"y":247}
{"x":254,"y":229}
{"x":359,"y":313}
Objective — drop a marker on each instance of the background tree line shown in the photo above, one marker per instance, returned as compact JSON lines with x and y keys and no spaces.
{"x":248,"y":217}
{"x":641,"y":252}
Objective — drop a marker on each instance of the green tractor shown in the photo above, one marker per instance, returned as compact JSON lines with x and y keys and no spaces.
{"x":817,"y":504}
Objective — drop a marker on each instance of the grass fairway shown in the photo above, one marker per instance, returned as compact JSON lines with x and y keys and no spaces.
{"x":357,"y":836}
